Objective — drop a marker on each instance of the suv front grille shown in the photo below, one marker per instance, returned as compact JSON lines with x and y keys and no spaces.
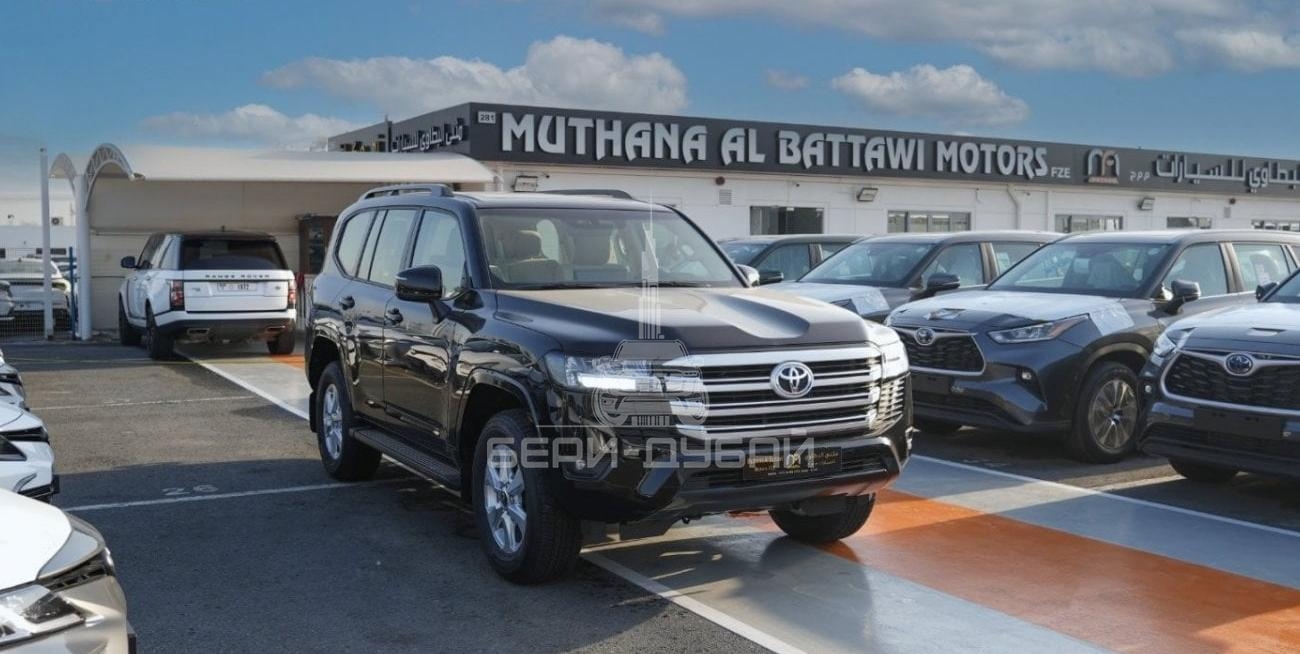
{"x":847,"y":395}
{"x":1272,"y":387}
{"x":955,"y":351}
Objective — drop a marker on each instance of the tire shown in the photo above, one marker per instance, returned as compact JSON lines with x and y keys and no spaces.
{"x":935,"y":426}
{"x":282,"y":343}
{"x":822,"y":529}
{"x":344,"y":457}
{"x":1201,"y":472}
{"x":126,"y":334}
{"x":1105,"y":419}
{"x":546,"y":545}
{"x":158,"y":344}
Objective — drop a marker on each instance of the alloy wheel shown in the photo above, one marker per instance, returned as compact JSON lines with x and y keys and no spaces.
{"x":332,"y":422}
{"x":503,"y":499}
{"x":1112,"y":416}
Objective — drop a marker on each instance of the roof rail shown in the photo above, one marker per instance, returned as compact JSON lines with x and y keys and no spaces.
{"x":607,"y":192}
{"x":441,"y":190}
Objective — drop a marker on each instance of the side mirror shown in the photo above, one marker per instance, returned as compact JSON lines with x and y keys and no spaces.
{"x":1183,"y":292}
{"x":938,"y":283}
{"x":1263,"y":290}
{"x":419,"y":284}
{"x":128,"y":263}
{"x":751,"y":274}
{"x":770,"y":277}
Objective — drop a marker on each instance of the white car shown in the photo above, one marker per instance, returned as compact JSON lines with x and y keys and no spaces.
{"x":58,"y":585}
{"x":26,"y":460}
{"x":27,"y":289}
{"x":11,"y":385}
{"x":207,"y":287}
{"x":6,"y":302}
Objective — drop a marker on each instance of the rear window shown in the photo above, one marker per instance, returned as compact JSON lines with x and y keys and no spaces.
{"x":231,"y":254}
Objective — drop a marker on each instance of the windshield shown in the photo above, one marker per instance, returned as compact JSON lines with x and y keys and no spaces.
{"x":1289,"y":291}
{"x":230,"y":254}
{"x":586,"y":248}
{"x":871,"y":263}
{"x":1109,"y":269}
{"x":742,"y":251}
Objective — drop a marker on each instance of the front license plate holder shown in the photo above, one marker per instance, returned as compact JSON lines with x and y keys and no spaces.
{"x":792,"y":465}
{"x":932,"y":384}
{"x":1236,"y":423}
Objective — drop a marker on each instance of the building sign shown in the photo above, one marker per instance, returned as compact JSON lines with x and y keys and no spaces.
{"x":516,"y":134}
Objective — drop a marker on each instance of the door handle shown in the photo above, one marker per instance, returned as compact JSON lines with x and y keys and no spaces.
{"x":347,"y":303}
{"x":394,"y":316}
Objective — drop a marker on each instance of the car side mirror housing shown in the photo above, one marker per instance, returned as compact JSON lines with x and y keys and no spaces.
{"x":770,"y":277}
{"x":938,"y":283}
{"x":1263,"y":290}
{"x":751,"y":274}
{"x":419,"y":284}
{"x":1183,"y":292}
{"x":128,"y":263}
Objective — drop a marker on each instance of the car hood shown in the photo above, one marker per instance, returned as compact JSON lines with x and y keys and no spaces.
{"x":1267,"y":327}
{"x":865,"y":300}
{"x":14,"y":419}
{"x":1006,"y":309}
{"x":34,"y":532}
{"x":702,"y":319}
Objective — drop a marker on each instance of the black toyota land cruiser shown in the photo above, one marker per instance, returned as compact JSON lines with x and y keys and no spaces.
{"x":1221,"y":393}
{"x":568,"y":363}
{"x":1055,"y":344}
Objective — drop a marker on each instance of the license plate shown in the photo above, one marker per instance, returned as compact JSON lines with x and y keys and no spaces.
{"x":234,"y":287}
{"x":792,"y":465}
{"x":1240,"y":424}
{"x":932,"y":384}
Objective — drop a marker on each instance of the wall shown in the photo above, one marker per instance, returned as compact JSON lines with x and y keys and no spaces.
{"x":123,"y":213}
{"x":991,"y":205}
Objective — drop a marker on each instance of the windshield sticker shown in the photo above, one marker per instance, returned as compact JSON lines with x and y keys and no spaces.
{"x":1112,"y":318}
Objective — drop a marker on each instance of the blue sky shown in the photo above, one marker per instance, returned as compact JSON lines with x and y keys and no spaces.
{"x":1204,"y":75}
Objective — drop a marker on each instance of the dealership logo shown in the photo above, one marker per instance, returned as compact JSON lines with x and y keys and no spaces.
{"x":1239,"y":364}
{"x":925,"y":336}
{"x":792,"y":380}
{"x":1103,"y":166}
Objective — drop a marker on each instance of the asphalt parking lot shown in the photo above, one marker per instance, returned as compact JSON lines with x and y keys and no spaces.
{"x":229,"y":537}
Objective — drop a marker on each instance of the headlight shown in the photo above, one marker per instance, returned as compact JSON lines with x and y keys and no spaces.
{"x":1169,"y":341}
{"x":36,"y":609}
{"x":623,"y":375}
{"x":891,"y":347}
{"x":1043,"y":331}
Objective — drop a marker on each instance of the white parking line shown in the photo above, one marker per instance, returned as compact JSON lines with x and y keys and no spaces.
{"x":1136,"y":483}
{"x":226,"y":496}
{"x":143,"y":403}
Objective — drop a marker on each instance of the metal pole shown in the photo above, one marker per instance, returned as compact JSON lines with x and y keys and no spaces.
{"x":45,"y":246}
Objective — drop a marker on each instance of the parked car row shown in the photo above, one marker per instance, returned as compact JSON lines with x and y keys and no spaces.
{"x":22,"y":292}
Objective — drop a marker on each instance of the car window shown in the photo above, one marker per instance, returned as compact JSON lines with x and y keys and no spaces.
{"x":1261,"y":263}
{"x":1006,"y":255}
{"x":390,"y":247}
{"x":231,"y":254}
{"x":150,"y":248}
{"x":438,"y":243}
{"x":1202,"y":264}
{"x":871,"y":263}
{"x":792,"y":260}
{"x":742,"y":251}
{"x":1107,"y":269}
{"x":351,"y":240}
{"x":963,"y":260}
{"x":828,"y":249}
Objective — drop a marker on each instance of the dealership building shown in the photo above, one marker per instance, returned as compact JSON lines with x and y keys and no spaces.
{"x":733,"y":177}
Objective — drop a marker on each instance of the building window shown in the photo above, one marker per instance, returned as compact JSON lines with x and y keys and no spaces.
{"x":1070,"y":223}
{"x":1282,"y":225}
{"x":1188,"y":222}
{"x":785,"y":220}
{"x":928,"y":221}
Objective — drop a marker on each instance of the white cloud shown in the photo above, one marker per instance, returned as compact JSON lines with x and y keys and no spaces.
{"x":255,"y":123}
{"x":563,"y":71}
{"x":785,"y":80}
{"x":956,"y":96}
{"x":1124,"y":37}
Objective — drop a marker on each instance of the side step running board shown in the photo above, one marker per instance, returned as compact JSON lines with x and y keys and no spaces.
{"x":418,"y":461}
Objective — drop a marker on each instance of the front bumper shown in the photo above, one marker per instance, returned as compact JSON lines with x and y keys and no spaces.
{"x":1238,"y":439}
{"x":998,"y":397}
{"x":34,"y":474}
{"x":105,"y":631}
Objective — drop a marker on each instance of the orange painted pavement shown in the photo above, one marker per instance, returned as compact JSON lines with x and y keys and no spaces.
{"x":294,"y":360}
{"x":1116,"y":597}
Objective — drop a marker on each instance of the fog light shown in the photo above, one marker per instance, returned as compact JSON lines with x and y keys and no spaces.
{"x":1148,"y":389}
{"x":1026,"y":376}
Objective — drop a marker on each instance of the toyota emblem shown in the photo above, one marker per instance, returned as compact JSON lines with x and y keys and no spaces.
{"x":925,"y":336}
{"x":1239,"y":364}
{"x":792,"y":380}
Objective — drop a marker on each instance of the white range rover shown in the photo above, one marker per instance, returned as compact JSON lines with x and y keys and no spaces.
{"x":219,"y":286}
